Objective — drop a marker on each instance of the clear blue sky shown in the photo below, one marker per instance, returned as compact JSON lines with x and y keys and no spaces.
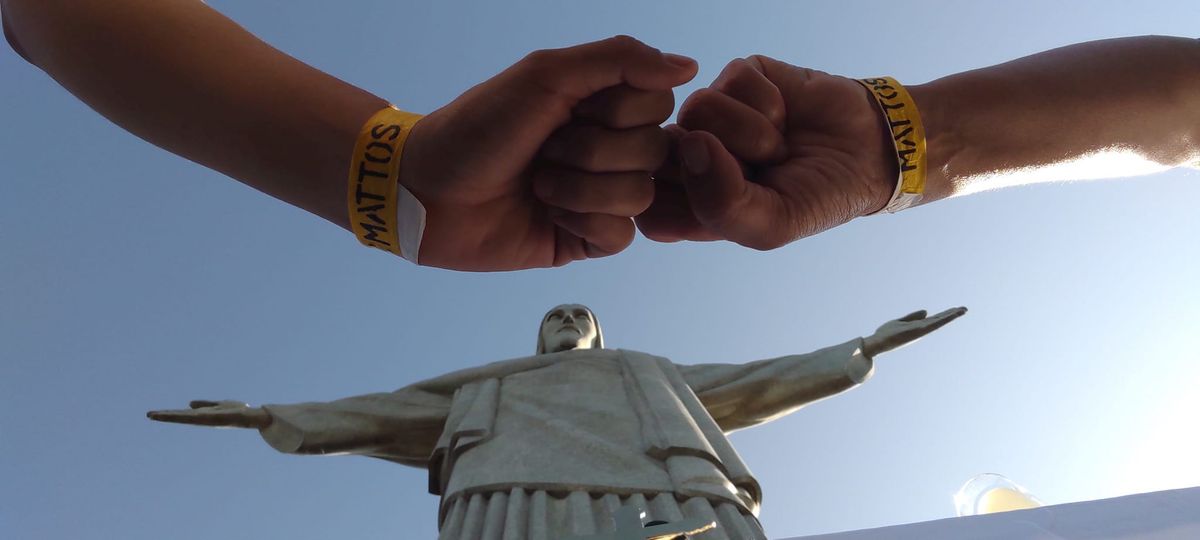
{"x":131,"y":280}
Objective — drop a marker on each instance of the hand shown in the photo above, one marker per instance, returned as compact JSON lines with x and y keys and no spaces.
{"x":578,"y":127}
{"x":907,"y":329}
{"x":224,"y":413}
{"x":770,"y":153}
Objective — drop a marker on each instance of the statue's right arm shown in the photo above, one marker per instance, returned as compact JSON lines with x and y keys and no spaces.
{"x":401,"y":426}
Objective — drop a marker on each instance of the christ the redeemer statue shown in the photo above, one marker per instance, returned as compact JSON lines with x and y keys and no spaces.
{"x":550,"y":446}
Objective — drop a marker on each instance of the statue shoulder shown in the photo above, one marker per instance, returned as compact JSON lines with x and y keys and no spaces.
{"x":640,"y":356}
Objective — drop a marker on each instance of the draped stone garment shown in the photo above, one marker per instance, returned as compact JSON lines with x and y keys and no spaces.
{"x":552,"y":441}
{"x":520,"y":514}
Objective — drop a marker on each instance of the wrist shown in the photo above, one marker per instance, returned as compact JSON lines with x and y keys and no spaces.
{"x":383,"y":213}
{"x":870,"y":346}
{"x":942,"y":143}
{"x":882,"y":183}
{"x":904,"y":129}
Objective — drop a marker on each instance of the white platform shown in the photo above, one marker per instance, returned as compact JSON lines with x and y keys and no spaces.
{"x":1161,"y":515}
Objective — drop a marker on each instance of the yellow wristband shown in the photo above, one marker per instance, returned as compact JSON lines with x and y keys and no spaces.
{"x":908,"y":137}
{"x":383,"y":214}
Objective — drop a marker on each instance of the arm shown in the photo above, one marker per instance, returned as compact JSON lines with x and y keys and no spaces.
{"x":401,"y":426}
{"x":183,"y":77}
{"x":744,"y":395}
{"x":739,"y":396}
{"x":1102,"y":109}
{"x":818,"y":153}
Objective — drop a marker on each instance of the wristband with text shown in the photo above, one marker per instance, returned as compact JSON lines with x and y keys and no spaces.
{"x":908,"y":137}
{"x":383,"y":214}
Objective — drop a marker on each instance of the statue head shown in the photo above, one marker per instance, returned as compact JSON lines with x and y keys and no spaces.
{"x":567,"y":327}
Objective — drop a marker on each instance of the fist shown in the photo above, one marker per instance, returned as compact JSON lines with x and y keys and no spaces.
{"x":770,"y":153}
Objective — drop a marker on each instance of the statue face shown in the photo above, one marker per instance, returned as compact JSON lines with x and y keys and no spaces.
{"x":569,"y":326}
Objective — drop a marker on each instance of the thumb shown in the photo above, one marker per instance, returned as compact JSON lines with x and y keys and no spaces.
{"x":724,"y":201}
{"x":583,"y":70}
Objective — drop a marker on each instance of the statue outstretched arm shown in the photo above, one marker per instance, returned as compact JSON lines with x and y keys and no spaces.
{"x":743,"y":395}
{"x":401,"y":426}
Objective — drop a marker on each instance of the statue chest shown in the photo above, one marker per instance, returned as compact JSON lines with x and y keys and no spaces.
{"x":569,"y":425}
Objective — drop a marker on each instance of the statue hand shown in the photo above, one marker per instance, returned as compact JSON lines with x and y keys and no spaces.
{"x":907,"y":329}
{"x":224,"y":413}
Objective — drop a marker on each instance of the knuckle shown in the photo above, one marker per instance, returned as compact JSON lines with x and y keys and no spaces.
{"x":540,"y":62}
{"x":733,"y":76}
{"x":588,"y":155}
{"x":764,"y":144}
{"x":738,"y":68}
{"x":658,"y":146}
{"x":661,"y":106}
{"x":617,"y":237}
{"x":625,"y":42}
{"x":757,"y":62}
{"x":540,"y":56}
{"x":641,"y":194}
{"x":759,"y":243}
{"x":694,"y":106}
{"x":775,"y":112}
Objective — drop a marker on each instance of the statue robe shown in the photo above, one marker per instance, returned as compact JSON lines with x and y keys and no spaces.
{"x":547,"y":446}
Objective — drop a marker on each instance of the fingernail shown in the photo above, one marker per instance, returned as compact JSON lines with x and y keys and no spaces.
{"x":695,"y":155}
{"x":678,"y":60}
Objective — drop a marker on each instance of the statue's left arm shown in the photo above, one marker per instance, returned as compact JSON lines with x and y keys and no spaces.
{"x":740,"y":396}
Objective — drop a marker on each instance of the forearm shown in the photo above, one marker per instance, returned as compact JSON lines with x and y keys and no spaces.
{"x":187,"y":79}
{"x":739,"y":396}
{"x":1109,"y":108}
{"x":402,"y":426}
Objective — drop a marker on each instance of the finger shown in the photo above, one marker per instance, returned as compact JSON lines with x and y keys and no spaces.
{"x":742,"y":130}
{"x":602,"y":234}
{"x":155,"y":415}
{"x":617,"y":194}
{"x":743,"y":80}
{"x":623,"y":106}
{"x":176,"y":416}
{"x":782,"y":75}
{"x":568,"y":247}
{"x":671,"y":170}
{"x":944,"y":318}
{"x":914,"y":316}
{"x":598,"y":149}
{"x":580,"y":71}
{"x":201,"y":403}
{"x":817,"y":101}
{"x":724,"y":202}
{"x":670,"y":218}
